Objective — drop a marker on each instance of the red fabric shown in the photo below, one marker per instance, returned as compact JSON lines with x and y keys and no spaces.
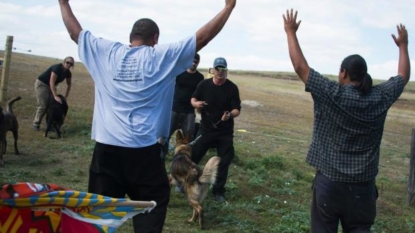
{"x":71,"y":225}
{"x":12,"y":219}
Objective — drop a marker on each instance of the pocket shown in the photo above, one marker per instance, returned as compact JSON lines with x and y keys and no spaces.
{"x":328,"y":195}
{"x":325,"y":188}
{"x":365,"y":202}
{"x":365,"y":193}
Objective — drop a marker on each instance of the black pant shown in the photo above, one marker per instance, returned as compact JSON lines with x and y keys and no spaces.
{"x":223,"y":141}
{"x":139,"y":173}
{"x":352,"y":204}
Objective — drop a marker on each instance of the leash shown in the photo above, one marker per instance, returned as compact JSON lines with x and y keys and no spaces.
{"x":192,"y":143}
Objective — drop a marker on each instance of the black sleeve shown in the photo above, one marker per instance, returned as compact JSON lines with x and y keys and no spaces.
{"x":198,"y":91}
{"x":235,"y":100}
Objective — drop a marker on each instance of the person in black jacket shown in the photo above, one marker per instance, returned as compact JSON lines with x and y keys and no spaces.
{"x":183,"y":114}
{"x":218,"y":101}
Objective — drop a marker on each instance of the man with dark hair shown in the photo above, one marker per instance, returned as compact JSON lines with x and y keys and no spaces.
{"x":183,"y":114}
{"x":349,"y":119}
{"x":144,"y":29}
{"x":134,"y":87}
{"x":218,"y":101}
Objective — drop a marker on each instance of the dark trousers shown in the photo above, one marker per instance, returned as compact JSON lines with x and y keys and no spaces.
{"x":223,"y":141}
{"x":352,"y":204}
{"x":139,"y":173}
{"x":183,"y":121}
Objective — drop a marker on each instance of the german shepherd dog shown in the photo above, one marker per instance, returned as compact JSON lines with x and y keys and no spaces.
{"x":55,"y":116}
{"x":8,"y":122}
{"x":183,"y":172}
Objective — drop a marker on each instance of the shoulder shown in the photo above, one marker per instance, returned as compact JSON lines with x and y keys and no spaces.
{"x":396,"y":80}
{"x":395,"y":84}
{"x":176,"y":47}
{"x":316,"y":76}
{"x":57,"y":67}
{"x":181,"y":74}
{"x":316,"y":81}
{"x":199,"y":74}
{"x":206,"y":82}
{"x":230,"y":83}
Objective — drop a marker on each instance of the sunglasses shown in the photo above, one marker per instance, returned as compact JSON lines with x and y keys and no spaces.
{"x":69,"y":63}
{"x":221,"y":69}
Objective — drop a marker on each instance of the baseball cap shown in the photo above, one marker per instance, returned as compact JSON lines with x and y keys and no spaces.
{"x":220,"y":61}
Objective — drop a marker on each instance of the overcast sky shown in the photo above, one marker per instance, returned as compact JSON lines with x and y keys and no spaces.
{"x":253,"y":39}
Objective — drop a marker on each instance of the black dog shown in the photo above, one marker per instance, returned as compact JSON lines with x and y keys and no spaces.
{"x":55,"y":116}
{"x":8,"y":122}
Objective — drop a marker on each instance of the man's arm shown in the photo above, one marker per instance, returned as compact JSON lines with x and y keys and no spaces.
{"x":68,"y":87}
{"x":235,"y":113}
{"x":297,"y":58}
{"x":404,"y":65}
{"x":206,"y":33}
{"x":52,"y":85}
{"x":70,"y":21}
{"x":232,"y":114}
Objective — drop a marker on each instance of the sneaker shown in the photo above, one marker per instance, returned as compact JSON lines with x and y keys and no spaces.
{"x":36,"y":127}
{"x":219,"y":198}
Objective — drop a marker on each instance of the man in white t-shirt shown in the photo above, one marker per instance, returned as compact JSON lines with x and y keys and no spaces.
{"x":134,"y":87}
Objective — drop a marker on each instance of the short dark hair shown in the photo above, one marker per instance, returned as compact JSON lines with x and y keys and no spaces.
{"x":144,"y":29}
{"x":197,"y":57}
{"x":355,"y":65}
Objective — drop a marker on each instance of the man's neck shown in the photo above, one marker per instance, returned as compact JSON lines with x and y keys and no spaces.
{"x":136,"y":43}
{"x":219,"y":82}
{"x":191,"y":71}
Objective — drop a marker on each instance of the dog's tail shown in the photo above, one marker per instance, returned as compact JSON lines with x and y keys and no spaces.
{"x":10,"y":104}
{"x":210,"y":170}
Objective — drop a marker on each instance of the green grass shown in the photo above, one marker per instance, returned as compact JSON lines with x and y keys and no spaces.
{"x":269,"y":181}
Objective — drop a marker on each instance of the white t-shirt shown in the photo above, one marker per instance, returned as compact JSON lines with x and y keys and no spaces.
{"x":134,"y":88}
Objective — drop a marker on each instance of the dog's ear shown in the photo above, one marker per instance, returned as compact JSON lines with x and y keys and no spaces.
{"x":186,"y":138}
{"x":179,"y":137}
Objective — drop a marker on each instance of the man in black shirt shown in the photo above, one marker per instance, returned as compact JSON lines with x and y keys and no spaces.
{"x":183,"y":114}
{"x":218,"y":101}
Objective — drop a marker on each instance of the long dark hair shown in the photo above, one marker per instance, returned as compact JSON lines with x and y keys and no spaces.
{"x":356,"y":67}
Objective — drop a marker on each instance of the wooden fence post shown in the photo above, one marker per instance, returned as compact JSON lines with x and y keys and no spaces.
{"x":411,"y":179}
{"x":6,"y":68}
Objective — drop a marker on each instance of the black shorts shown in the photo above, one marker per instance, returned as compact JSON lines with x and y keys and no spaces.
{"x":139,"y":173}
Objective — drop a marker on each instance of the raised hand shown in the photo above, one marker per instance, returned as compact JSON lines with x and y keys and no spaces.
{"x":230,"y":3}
{"x":402,"y":38}
{"x":290,"y":21}
{"x":70,"y":21}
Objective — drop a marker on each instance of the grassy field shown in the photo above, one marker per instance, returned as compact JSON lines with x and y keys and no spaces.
{"x":269,"y":180}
